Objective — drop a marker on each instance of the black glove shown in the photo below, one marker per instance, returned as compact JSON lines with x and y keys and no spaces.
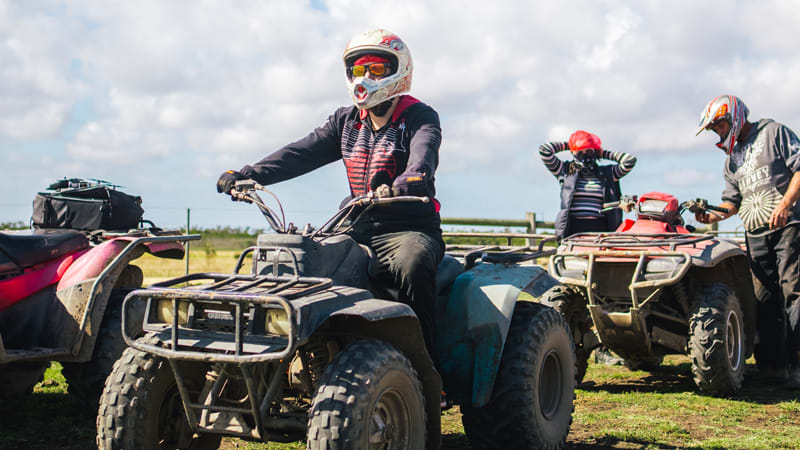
{"x":227,"y":180}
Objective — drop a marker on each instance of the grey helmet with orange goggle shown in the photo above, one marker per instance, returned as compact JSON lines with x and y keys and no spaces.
{"x":383,"y":55}
{"x":729,"y":108}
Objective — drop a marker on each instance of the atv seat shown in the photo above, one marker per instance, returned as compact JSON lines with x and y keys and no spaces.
{"x":449,"y":269}
{"x":31,"y":247}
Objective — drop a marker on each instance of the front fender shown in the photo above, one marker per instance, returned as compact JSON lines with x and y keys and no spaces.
{"x":86,"y":286}
{"x":472,"y":329}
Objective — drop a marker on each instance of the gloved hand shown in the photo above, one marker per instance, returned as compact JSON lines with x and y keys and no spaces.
{"x":227,"y":180}
{"x":383,"y":191}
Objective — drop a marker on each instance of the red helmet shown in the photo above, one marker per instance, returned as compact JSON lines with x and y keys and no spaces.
{"x":583,"y":140}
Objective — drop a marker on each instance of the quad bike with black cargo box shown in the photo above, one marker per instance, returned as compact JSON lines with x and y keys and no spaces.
{"x":61,"y":293}
{"x":308,"y":347}
{"x":653,"y":288}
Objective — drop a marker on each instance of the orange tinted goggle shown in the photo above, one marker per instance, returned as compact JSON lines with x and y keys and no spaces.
{"x":377,"y":69}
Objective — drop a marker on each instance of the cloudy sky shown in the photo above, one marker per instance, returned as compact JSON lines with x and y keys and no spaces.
{"x":161,"y":97}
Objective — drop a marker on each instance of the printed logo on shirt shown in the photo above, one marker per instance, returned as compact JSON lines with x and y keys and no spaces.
{"x":759,"y":197}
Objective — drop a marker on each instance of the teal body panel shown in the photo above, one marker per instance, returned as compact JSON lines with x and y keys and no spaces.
{"x":473,"y":324}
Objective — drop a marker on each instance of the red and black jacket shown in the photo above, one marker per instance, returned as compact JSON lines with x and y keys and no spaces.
{"x":404,"y":154}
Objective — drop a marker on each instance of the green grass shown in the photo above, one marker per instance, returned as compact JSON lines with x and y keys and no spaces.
{"x":623,"y":409}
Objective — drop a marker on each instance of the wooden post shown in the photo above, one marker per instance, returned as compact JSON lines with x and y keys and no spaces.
{"x":188,"y":227}
{"x":531,"y":218}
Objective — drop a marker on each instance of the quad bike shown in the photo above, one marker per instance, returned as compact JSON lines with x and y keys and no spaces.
{"x":308,"y":347}
{"x":61,"y":294}
{"x":653,"y":288}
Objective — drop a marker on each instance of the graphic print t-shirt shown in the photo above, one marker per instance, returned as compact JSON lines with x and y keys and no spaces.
{"x":758,"y":172}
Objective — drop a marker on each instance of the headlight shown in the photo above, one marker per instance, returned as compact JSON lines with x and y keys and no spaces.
{"x":165,"y":312}
{"x":663,"y":264}
{"x":277,"y":322}
{"x":652,"y":206}
{"x":574,"y":263}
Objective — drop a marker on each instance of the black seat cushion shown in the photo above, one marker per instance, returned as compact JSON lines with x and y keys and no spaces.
{"x":30,"y":247}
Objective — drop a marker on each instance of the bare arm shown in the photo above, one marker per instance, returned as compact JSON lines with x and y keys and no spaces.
{"x":781,"y":213}
{"x":708,"y":218}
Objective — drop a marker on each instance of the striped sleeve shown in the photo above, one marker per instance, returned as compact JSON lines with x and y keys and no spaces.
{"x":625,"y":162}
{"x":547,"y":152}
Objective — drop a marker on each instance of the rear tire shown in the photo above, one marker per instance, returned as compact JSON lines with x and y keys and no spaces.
{"x":369,"y":397}
{"x":572,"y":305}
{"x":533,"y":394}
{"x":141,"y":409}
{"x":716,"y":340}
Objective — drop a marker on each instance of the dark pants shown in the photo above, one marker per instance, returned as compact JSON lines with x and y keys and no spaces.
{"x":407,"y":261}
{"x":775,"y":263}
{"x":586,"y":226}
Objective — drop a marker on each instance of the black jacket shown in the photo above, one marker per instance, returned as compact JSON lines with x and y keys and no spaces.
{"x":403,"y":154}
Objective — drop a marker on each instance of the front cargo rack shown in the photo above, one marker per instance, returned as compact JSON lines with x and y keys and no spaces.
{"x":633,"y":240}
{"x":221,"y":317}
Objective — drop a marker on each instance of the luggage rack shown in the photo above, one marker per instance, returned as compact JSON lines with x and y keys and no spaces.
{"x":240,"y":301}
{"x":632,"y":240}
{"x":502,"y":254}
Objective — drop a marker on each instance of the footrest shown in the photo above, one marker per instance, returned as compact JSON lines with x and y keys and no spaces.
{"x":31,"y":354}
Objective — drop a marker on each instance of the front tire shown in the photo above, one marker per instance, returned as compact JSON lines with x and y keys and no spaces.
{"x":716,"y":340}
{"x":533,"y":394}
{"x":369,"y":397}
{"x":141,"y":409}
{"x":572,"y":305}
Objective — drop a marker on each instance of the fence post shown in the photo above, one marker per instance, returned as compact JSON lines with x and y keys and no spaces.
{"x":531,"y":218}
{"x":188,"y":227}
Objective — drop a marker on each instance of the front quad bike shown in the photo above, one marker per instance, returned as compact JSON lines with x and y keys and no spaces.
{"x":61,"y":293}
{"x":305,"y":348}
{"x":654,"y":288}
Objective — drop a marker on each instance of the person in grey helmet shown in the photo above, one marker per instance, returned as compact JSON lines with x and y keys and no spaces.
{"x":762,"y":185}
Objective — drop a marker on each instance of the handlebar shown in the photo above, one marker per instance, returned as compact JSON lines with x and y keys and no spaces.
{"x":718,"y":209}
{"x":367,"y":202}
{"x":626,"y":202}
{"x":699,"y":205}
{"x":245,"y":191}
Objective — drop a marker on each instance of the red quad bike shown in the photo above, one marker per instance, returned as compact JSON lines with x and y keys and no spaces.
{"x":654,"y":288}
{"x":61,"y":294}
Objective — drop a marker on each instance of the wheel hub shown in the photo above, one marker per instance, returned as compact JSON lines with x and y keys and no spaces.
{"x":733,"y":338}
{"x":550,"y":385}
{"x":390,"y":424}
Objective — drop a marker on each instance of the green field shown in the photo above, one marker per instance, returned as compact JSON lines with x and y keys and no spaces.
{"x":618,"y":408}
{"x":622,"y":409}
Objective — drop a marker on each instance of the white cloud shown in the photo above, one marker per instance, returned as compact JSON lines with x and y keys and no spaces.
{"x":189,"y":88}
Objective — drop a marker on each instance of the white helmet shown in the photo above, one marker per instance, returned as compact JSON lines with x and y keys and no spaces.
{"x":365,"y":91}
{"x":725,"y":107}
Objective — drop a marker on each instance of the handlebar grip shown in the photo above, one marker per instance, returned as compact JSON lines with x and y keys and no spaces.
{"x":610,"y":205}
{"x":718,"y":209}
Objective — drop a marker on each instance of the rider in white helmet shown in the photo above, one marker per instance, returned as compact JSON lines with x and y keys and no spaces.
{"x":762,"y":184}
{"x":389,"y":143}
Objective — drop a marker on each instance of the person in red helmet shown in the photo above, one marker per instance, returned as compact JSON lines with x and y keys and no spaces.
{"x":586,"y":185}
{"x":762,"y":185}
{"x":389,"y":143}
